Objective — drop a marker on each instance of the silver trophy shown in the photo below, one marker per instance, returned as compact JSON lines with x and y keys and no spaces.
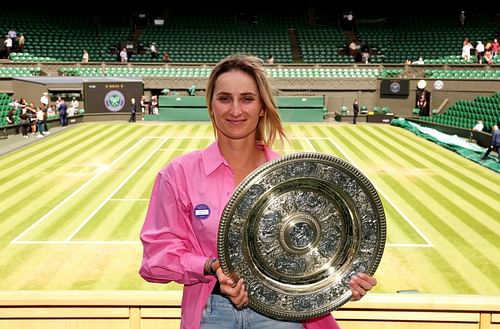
{"x":297,"y":229}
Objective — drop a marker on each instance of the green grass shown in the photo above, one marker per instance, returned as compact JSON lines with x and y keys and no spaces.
{"x":72,"y":205}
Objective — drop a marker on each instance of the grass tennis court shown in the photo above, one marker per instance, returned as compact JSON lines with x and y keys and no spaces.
{"x":73,"y":203}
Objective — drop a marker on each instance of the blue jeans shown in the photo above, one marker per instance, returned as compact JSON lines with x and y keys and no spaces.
{"x":219,"y":313}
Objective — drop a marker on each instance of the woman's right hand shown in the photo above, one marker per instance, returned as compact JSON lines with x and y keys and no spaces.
{"x":236,"y":291}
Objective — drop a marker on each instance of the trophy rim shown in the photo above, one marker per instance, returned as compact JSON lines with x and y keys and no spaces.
{"x":284,"y":289}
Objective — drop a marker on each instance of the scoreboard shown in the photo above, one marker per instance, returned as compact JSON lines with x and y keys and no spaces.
{"x":111,"y":97}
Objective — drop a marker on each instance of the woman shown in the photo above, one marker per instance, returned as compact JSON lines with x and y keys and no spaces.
{"x":85,"y":56}
{"x":422,"y":105}
{"x":179,"y":235}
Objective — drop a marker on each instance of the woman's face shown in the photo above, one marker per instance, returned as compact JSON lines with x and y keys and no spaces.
{"x":236,"y":105}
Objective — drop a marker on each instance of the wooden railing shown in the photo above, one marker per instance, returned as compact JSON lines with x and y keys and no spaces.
{"x":161,"y":309}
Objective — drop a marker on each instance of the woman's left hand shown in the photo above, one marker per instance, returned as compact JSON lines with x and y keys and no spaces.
{"x":360,"y":284}
{"x":235,"y":291}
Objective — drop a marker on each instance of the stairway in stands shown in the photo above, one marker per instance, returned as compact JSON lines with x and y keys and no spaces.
{"x":294,"y":44}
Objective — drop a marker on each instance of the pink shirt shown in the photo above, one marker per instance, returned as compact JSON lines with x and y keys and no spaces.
{"x":181,"y":225}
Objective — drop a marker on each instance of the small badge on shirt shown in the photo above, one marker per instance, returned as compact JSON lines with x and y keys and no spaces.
{"x":201,"y":211}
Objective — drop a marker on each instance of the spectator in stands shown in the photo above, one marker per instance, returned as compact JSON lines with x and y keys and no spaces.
{"x":25,"y":122}
{"x":467,"y":46}
{"x":355,"y":110}
{"x":494,"y":47}
{"x":479,"y":52}
{"x":21,"y":41}
{"x":32,"y":113}
{"x":8,"y":45}
{"x":143,"y":106}
{"x":45,"y":99}
{"x":488,"y":57}
{"x":462,"y":18}
{"x":179,"y":235}
{"x":352,"y":48}
{"x":422,"y":105}
{"x":12,"y":35}
{"x":419,"y":61}
{"x":63,"y":112}
{"x":495,"y":142}
{"x":39,"y":122}
{"x":74,"y":107}
{"x":10,"y":116}
{"x":58,"y":102}
{"x":270,"y":59}
{"x":124,"y":55}
{"x":154,"y":51}
{"x":15,"y":104}
{"x":51,"y":110}
{"x":166,"y":57}
{"x":478,"y":127}
{"x":365,"y":55}
{"x":133,"y":110}
{"x":85,"y":56}
{"x":153,"y":108}
{"x":45,"y":110}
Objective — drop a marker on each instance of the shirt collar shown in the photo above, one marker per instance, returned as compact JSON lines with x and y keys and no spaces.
{"x":212,"y":158}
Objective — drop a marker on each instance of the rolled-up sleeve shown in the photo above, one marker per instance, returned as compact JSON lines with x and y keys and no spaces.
{"x":168,"y":251}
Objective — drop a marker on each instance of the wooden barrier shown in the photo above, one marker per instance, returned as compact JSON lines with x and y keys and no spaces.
{"x":161,"y":309}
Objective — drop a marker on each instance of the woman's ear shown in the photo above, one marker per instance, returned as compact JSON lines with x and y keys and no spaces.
{"x":261,"y":113}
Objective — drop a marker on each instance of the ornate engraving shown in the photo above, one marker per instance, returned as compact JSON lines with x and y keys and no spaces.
{"x":297,"y":229}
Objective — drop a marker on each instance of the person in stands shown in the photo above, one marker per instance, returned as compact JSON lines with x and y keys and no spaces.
{"x":495,"y":142}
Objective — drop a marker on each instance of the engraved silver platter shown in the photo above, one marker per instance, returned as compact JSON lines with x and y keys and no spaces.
{"x":297,"y":229}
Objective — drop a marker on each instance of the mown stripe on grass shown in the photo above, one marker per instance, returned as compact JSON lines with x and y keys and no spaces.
{"x":22,"y":215}
{"x":472,"y":174}
{"x":37,"y":160}
{"x":110,"y":222}
{"x":468,"y":215}
{"x":57,"y":161}
{"x":480,"y":260}
{"x":106,"y":184}
{"x":440,"y":269}
{"x":53,"y":141}
{"x":478,"y":215}
{"x":410,"y":234}
{"x":437,"y":163}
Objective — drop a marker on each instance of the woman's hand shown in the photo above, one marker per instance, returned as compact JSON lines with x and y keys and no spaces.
{"x":234,"y":290}
{"x":360,"y":284}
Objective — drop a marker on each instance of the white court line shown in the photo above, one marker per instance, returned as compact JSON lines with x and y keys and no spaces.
{"x":419,"y":232}
{"x":176,"y":149}
{"x":90,"y":242}
{"x":408,"y":245}
{"x":89,"y":217}
{"x":128,"y":199}
{"x":69,"y":197}
{"x":429,"y":243}
{"x":197,"y":137}
{"x":310,"y":144}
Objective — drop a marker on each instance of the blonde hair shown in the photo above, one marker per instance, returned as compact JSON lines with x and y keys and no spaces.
{"x":269,"y":126}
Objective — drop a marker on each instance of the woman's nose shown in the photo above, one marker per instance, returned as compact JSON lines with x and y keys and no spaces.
{"x":235,"y":108}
